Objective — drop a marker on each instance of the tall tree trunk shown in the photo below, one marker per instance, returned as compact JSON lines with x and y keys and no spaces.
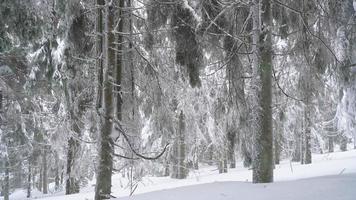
{"x":308,"y":75}
{"x":119,"y":60}
{"x":72,"y":183}
{"x":262,"y":74}
{"x":99,"y":26}
{"x":103,"y":179}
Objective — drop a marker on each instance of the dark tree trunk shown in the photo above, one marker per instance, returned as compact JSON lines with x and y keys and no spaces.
{"x":99,"y":26}
{"x":231,"y":137}
{"x":103,"y":179}
{"x":263,"y":158}
{"x":119,"y":61}
{"x":29,"y":177}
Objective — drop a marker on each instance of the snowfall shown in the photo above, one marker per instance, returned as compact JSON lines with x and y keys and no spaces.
{"x":331,"y":176}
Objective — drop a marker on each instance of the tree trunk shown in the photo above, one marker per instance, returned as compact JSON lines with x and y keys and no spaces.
{"x":103,"y":179}
{"x":56,"y":178}
{"x":307,"y":155}
{"x":262,"y":83}
{"x":7,"y":179}
{"x":343,"y":142}
{"x":45,"y":170}
{"x":174,"y":159}
{"x":119,"y":61}
{"x":71,"y":182}
{"x":99,"y":52}
{"x":231,"y":137}
{"x":39,"y":186}
{"x":181,"y":174}
{"x":29,"y":177}
{"x":297,"y":142}
{"x":277,"y":152}
{"x":308,"y":86}
{"x":17,"y":180}
{"x":331,"y":144}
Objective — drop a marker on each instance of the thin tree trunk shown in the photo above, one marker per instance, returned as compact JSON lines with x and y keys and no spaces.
{"x":56,"y":178}
{"x":262,"y":72}
{"x":99,"y":51}
{"x":277,"y":153}
{"x":45,"y":170}
{"x":308,"y":74}
{"x":7,"y":179}
{"x":29,"y":176}
{"x":119,"y":61}
{"x":181,"y":174}
{"x":39,"y":186}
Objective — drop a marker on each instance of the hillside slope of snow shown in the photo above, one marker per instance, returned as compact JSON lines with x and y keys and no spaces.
{"x":330,"y":173}
{"x":337,"y":187}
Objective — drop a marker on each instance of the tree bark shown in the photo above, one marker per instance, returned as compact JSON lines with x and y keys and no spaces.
{"x":262,"y":73}
{"x":103,"y":180}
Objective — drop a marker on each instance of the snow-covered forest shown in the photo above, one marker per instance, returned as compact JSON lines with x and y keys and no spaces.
{"x":101,"y":99}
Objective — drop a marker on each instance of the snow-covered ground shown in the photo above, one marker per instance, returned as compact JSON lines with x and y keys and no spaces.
{"x":331,"y":176}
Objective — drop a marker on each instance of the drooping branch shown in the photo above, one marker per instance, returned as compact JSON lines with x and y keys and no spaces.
{"x":124,"y":134}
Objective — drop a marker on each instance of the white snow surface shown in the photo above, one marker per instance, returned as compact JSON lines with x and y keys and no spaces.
{"x":331,"y":176}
